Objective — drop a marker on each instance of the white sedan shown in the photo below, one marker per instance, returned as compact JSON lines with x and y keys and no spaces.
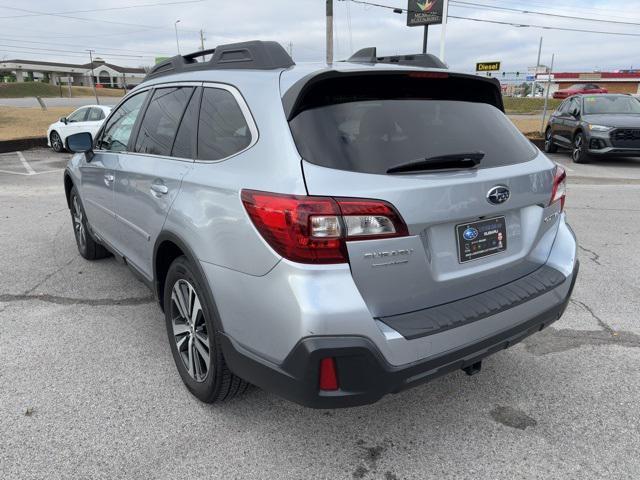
{"x":85,"y":119}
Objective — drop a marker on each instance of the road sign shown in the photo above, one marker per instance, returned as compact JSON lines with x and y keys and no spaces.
{"x":530,"y":78}
{"x":487,"y":66}
{"x":424,"y":12}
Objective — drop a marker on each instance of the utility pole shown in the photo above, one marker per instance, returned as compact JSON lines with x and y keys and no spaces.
{"x":329,"y":31}
{"x":93,"y":81}
{"x":443,"y":31}
{"x":533,"y":84}
{"x":424,"y":39}
{"x":291,"y":49}
{"x":202,"y":39}
{"x":177,"y":41}
{"x":546,"y":95}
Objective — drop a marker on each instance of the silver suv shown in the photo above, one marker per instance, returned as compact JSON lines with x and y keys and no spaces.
{"x":330,"y":233}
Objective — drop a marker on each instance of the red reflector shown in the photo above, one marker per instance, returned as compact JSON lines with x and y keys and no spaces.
{"x":328,"y":374}
{"x":559,"y":190}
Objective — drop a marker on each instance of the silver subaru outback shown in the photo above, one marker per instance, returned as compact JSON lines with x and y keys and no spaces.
{"x":329,"y":233}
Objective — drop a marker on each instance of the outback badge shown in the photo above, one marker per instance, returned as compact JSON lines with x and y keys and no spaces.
{"x":498,"y":194}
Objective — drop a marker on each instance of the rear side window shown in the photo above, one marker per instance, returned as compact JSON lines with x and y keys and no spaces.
{"x":223,"y":129}
{"x":95,"y":114}
{"x":117,"y":131}
{"x":374,"y":135}
{"x":161,"y":119}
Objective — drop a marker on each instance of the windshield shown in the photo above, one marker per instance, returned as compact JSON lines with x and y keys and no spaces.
{"x":577,"y":86}
{"x":373,"y":136}
{"x":605,"y":105}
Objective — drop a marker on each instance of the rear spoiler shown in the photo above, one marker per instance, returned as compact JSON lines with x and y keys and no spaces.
{"x":471,"y":88}
{"x":424,"y":60}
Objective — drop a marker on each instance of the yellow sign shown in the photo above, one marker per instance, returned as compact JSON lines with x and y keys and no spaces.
{"x":487,"y":66}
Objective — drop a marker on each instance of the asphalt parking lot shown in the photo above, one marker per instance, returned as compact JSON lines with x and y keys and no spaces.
{"x":89,"y":388}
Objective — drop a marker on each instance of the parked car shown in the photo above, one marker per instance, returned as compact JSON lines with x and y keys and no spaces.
{"x":595,"y":126}
{"x":330,"y":233}
{"x":85,"y":119}
{"x":590,"y":88}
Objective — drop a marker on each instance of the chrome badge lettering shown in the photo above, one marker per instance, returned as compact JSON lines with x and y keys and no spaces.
{"x":396,"y":257}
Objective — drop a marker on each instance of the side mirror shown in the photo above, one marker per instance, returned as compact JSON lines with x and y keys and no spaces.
{"x":575,"y":113}
{"x":64,"y":120}
{"x":81,"y":143}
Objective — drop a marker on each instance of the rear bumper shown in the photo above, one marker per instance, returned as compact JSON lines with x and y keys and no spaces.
{"x":364,"y":374}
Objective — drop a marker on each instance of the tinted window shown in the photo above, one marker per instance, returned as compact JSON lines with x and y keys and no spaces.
{"x":223,"y":130}
{"x":78,"y":115}
{"x":564,"y":107}
{"x":95,"y":114}
{"x":574,"y":106}
{"x":116,"y":133}
{"x":375,"y":135}
{"x":183,"y":145}
{"x":604,"y":104}
{"x":161,"y":120}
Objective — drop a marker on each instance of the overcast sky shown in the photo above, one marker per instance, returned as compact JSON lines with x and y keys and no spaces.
{"x":134,"y":36}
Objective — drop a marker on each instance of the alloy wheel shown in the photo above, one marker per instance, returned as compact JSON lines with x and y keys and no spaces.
{"x":190,"y":330}
{"x":547,"y":139}
{"x":78,"y":224}
{"x":56,"y":142}
{"x":577,"y":148}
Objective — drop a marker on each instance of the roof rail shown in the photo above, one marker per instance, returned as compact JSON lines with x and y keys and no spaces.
{"x":254,"y":55}
{"x":369,"y":55}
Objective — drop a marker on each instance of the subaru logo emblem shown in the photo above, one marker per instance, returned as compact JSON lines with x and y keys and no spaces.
{"x":498,"y":195}
{"x":470,"y":234}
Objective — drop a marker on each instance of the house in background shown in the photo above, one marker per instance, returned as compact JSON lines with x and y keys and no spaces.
{"x":104,"y":74}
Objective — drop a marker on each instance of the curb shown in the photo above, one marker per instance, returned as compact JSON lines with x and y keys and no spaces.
{"x":22,"y":144}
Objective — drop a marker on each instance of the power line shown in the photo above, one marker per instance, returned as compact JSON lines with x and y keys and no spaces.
{"x":144,"y":5}
{"x":9,"y":39}
{"x":513,"y":24}
{"x":461,"y":3}
{"x":62,"y":15}
{"x":40,"y":49}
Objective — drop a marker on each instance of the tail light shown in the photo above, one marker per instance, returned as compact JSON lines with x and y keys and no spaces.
{"x":559,"y":191}
{"x":328,"y":374}
{"x":309,"y":229}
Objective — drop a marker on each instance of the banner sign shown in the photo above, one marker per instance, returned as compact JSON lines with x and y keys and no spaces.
{"x":424,"y":12}
{"x":487,"y":66}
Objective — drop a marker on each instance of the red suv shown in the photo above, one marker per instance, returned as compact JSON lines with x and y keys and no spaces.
{"x":579,"y":88}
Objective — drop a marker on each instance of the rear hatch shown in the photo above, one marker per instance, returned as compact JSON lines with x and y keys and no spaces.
{"x":472,"y":190}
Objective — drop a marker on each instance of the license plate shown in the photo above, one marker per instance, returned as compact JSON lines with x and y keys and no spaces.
{"x":481,"y":239}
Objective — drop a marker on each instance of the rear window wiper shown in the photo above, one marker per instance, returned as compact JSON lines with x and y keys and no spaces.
{"x":442,"y":162}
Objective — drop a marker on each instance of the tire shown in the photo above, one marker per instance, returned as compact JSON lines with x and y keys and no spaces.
{"x":549,"y":146}
{"x":56,"y":142}
{"x":578,"y":151}
{"x":87,"y":246}
{"x":194,"y":338}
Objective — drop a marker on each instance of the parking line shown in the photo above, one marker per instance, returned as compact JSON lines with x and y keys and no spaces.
{"x":30,"y":174}
{"x":30,"y":171}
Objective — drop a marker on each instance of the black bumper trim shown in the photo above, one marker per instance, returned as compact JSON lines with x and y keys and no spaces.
{"x":471,"y":309}
{"x":364,"y":374}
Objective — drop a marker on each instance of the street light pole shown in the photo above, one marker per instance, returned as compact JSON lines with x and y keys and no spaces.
{"x":533,"y":84}
{"x":93,"y":81}
{"x":177,"y":41}
{"x":424,"y":39}
{"x":443,"y":31}
{"x":329,"y":14}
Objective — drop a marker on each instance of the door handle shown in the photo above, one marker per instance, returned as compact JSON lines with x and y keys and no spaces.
{"x":159,"y":189}
{"x":108,"y":179}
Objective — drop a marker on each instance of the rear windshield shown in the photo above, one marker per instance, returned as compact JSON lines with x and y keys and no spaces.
{"x":372,"y":136}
